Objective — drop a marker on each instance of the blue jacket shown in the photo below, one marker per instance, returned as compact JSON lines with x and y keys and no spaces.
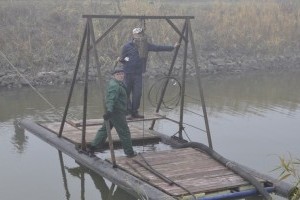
{"x":135,"y":64}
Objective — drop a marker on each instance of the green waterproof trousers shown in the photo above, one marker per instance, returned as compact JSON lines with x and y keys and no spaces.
{"x":117,"y":120}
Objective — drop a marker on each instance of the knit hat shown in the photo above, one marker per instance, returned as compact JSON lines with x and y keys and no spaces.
{"x":117,"y":70}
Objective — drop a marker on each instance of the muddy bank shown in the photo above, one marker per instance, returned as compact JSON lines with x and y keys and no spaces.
{"x":41,"y":39}
{"x":211,"y":64}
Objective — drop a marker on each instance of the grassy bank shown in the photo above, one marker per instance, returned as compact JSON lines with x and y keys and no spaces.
{"x":41,"y":35}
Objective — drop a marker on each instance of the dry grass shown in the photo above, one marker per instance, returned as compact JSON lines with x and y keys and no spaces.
{"x":41,"y":35}
{"x":255,"y":26}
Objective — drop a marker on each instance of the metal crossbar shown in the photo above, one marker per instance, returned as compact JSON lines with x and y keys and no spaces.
{"x":138,"y":17}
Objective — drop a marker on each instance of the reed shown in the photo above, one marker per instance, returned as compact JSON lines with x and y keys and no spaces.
{"x":289,"y":168}
{"x":44,"y":35}
{"x":254,"y":27}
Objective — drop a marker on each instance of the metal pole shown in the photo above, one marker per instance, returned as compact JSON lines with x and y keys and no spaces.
{"x":64,"y":174}
{"x":138,"y":16}
{"x":73,"y":83}
{"x":110,"y":143}
{"x":176,"y":29}
{"x":169,"y":74}
{"x":98,"y":65}
{"x":85,"y":96}
{"x":183,"y":82}
{"x":82,"y":184}
{"x":200,"y":85}
{"x":106,"y":32}
{"x":101,"y":84}
{"x":96,"y":56}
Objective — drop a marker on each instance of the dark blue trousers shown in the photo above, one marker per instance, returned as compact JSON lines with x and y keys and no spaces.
{"x":134,"y":85}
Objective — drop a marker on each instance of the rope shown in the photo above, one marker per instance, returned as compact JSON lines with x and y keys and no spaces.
{"x":162,"y":176}
{"x":143,"y":114}
{"x":33,"y":88}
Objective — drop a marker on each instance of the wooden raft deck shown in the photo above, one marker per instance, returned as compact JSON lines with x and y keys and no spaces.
{"x":188,"y":167}
{"x":73,"y":132}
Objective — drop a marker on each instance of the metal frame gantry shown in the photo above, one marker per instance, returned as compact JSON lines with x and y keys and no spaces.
{"x":89,"y":40}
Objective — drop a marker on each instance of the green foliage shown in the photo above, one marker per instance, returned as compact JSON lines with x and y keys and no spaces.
{"x":290,"y":170}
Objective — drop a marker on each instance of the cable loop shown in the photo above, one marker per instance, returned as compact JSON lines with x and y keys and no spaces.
{"x":156,"y":90}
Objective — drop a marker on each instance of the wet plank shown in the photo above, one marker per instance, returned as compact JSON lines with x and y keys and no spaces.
{"x":93,"y":122}
{"x":74,"y":134}
{"x":188,"y":167}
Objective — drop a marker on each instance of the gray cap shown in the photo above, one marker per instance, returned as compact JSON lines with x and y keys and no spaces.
{"x":117,"y":70}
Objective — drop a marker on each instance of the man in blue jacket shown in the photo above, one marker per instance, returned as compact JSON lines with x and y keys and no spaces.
{"x":134,"y":58}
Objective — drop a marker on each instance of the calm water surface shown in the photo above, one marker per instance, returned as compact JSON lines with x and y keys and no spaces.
{"x":254,"y":118}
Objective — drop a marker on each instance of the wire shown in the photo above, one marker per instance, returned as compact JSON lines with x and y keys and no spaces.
{"x":143,"y":114}
{"x":22,"y":76}
{"x":173,"y":101}
{"x":33,"y":88}
{"x":192,"y":97}
{"x":193,"y":112}
{"x":186,"y":135}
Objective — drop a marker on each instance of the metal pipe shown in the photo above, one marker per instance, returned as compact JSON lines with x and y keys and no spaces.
{"x":82,"y":184}
{"x":138,"y":16}
{"x":64,"y":175}
{"x":241,"y":194}
{"x":169,"y":74}
{"x":73,"y":83}
{"x":176,"y":29}
{"x":106,"y":32}
{"x":85,"y":96}
{"x":281,"y":188}
{"x":98,"y":65}
{"x":183,"y":82}
{"x":235,"y":168}
{"x":200,"y":85}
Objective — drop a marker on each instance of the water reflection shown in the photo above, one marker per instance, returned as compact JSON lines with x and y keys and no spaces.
{"x":108,"y":193}
{"x":19,"y":139}
{"x":258,"y":96}
{"x":252,"y":94}
{"x":233,"y":94}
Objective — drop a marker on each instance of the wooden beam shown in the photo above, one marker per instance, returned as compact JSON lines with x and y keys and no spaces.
{"x":99,"y":166}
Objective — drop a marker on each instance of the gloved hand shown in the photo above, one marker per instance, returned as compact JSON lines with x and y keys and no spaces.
{"x":107,"y":115}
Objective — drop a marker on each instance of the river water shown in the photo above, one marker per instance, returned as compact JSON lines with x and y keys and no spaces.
{"x":254,"y":119}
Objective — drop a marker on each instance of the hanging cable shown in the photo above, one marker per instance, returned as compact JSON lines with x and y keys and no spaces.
{"x":22,"y":76}
{"x":192,"y":98}
{"x":34,"y":89}
{"x":143,"y":114}
{"x":155,"y":91}
{"x":193,"y":112}
{"x":186,"y":135}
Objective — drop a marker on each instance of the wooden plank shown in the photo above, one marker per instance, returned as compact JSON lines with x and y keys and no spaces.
{"x":93,"y":122}
{"x":99,"y":166}
{"x":188,"y":167}
{"x":74,"y":135}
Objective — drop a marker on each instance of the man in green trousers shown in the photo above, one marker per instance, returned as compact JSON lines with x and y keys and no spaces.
{"x":116,"y":109}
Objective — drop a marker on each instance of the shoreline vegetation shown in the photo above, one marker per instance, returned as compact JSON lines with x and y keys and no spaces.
{"x":41,"y":38}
